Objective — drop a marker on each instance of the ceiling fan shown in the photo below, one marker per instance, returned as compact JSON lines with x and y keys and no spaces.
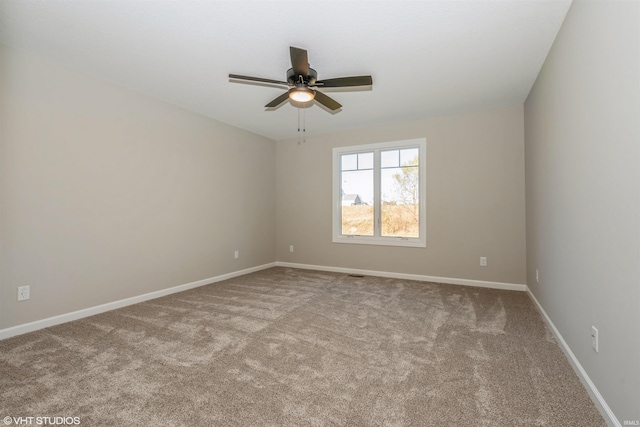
{"x":303,"y":84}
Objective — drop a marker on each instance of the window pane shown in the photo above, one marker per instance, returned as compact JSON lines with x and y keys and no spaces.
{"x":400,"y":210}
{"x":389,"y":159}
{"x":349,"y":162}
{"x":365,"y":161}
{"x":409,"y":156}
{"x":357,"y":202}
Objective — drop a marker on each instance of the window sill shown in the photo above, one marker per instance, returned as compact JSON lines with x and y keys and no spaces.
{"x":381,"y":241}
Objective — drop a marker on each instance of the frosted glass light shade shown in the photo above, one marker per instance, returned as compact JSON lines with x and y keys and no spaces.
{"x":301,"y":94}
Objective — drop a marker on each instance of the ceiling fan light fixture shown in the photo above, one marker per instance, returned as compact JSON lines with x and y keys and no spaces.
{"x":301,"y":94}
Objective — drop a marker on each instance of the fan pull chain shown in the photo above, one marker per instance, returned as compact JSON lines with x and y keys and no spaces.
{"x":299,"y":139}
{"x":302,"y":126}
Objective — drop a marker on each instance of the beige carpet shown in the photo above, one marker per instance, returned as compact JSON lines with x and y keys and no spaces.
{"x":286,"y":347}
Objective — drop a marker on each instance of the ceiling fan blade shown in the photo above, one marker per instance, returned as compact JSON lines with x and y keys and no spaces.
{"x":328,"y":102}
{"x":279,"y":100}
{"x":299,"y":61}
{"x":257,"y":79}
{"x":346,"y":81}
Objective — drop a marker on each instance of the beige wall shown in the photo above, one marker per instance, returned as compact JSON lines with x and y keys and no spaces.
{"x":582,"y":133}
{"x":475,"y":199}
{"x":107,"y":194}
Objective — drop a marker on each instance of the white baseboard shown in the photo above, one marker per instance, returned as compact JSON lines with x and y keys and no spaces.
{"x":79,"y":314}
{"x":595,"y":395}
{"x":75,"y":315}
{"x":418,"y":277}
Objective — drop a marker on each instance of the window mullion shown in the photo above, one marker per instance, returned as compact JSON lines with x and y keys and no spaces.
{"x":377,"y":201}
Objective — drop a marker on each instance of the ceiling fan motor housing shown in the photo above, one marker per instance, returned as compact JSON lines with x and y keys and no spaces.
{"x":309,"y":79}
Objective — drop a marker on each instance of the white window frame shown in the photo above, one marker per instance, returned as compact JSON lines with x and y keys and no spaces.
{"x":377,"y":239}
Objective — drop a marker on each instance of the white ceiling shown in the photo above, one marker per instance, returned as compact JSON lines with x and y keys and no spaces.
{"x":426,"y":57}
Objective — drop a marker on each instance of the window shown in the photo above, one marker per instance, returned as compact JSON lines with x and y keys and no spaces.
{"x":379,"y":193}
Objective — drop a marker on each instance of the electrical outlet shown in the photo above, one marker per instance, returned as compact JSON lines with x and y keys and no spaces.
{"x":483,"y":261}
{"x":236,"y":254}
{"x":24,"y":293}
{"x":537,"y":277}
{"x":290,"y":248}
{"x":594,"y":339}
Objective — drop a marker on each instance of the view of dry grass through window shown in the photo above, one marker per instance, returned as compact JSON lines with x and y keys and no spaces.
{"x":397,"y":220}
